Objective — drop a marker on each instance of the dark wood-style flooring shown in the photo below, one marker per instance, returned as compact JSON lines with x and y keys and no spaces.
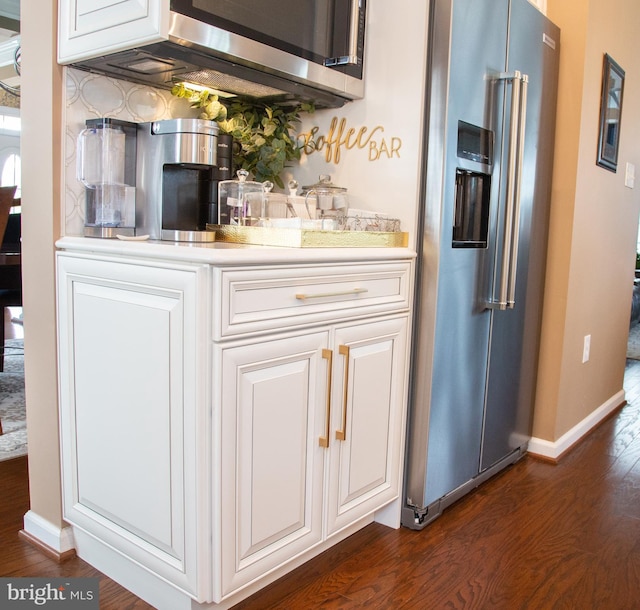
{"x":537,"y":536}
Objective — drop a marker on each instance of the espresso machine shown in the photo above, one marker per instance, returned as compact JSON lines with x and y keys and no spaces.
{"x":106,"y":166}
{"x":177,"y":179}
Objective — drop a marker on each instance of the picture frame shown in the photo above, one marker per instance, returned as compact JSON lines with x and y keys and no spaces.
{"x":610,"y":113}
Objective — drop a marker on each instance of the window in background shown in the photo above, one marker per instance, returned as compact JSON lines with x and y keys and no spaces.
{"x":10,"y":123}
{"x":11,"y":172}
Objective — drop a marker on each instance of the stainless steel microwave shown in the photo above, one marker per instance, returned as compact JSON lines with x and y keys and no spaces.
{"x":285,"y":49}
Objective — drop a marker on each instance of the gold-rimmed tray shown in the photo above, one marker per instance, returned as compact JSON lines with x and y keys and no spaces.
{"x":309,"y":238}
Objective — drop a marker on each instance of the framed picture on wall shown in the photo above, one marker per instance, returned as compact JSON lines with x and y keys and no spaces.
{"x":610,"y":113}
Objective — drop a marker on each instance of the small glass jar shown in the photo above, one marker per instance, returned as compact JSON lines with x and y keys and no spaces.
{"x":240,"y":202}
{"x":330,"y":200}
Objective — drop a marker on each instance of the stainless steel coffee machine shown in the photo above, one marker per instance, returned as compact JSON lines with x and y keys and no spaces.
{"x":177,"y":181}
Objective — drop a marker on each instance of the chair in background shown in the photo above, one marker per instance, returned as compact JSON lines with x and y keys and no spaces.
{"x":7,"y":201}
{"x":10,"y":260}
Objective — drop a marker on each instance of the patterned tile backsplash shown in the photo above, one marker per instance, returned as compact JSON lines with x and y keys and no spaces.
{"x":91,"y":96}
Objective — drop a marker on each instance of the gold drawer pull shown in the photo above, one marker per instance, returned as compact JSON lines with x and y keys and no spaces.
{"x":341,"y":435}
{"x":327,"y":354}
{"x":322,"y":295}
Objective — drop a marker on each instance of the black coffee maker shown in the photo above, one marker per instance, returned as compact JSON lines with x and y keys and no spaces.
{"x":177,"y":179}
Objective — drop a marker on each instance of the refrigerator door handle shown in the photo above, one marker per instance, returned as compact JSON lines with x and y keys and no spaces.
{"x":506,"y":295}
{"x":522,"y":124}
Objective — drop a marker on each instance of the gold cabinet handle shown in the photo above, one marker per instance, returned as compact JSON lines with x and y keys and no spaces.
{"x":321,"y":295}
{"x":341,"y":435}
{"x":327,"y":354}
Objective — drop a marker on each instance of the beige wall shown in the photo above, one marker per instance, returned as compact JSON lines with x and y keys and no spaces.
{"x":41,"y":174}
{"x":594,"y":220}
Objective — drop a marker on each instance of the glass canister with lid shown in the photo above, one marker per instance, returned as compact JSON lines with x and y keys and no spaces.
{"x":330,"y":200}
{"x":241,"y":201}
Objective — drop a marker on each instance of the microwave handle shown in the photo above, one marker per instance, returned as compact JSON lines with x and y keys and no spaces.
{"x":352,"y":58}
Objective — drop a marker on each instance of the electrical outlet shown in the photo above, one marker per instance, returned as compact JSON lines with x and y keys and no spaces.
{"x":630,"y":175}
{"x":585,"y":348}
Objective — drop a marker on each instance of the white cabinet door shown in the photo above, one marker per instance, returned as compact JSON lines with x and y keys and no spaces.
{"x":273,"y":400}
{"x":90,"y":28}
{"x":131,"y":408}
{"x":367,"y":413}
{"x":280,"y":427}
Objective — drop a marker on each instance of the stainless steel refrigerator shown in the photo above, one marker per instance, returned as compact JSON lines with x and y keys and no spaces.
{"x":488,"y":141}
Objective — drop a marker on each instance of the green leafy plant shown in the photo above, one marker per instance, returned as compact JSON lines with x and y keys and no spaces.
{"x":212,"y":108}
{"x":264,"y":131}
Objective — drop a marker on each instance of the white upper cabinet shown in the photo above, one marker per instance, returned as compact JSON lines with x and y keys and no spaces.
{"x":91,"y":28}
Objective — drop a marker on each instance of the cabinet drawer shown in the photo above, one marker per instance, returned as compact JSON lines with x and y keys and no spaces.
{"x":262,"y":299}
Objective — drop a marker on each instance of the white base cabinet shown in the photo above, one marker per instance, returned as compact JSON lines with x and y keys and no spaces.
{"x":221,"y":425}
{"x":367,"y":411}
{"x":133,"y":410}
{"x":312,"y":430}
{"x":272,"y":481}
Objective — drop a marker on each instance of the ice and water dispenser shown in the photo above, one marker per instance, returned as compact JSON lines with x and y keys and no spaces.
{"x":473,"y":188}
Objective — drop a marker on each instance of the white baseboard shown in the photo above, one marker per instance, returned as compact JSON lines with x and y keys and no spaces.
{"x":553,"y":450}
{"x":57,"y":539}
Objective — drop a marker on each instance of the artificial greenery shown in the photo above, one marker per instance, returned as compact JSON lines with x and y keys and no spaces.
{"x":264,"y":130}
{"x":212,"y":108}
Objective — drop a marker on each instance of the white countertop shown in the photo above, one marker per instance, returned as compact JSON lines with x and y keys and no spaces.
{"x":222,"y":254}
